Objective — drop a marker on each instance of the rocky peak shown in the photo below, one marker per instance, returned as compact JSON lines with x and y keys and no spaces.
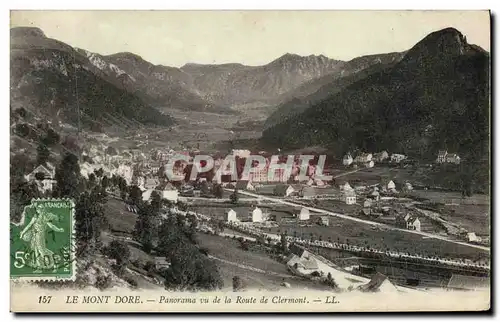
{"x":440,"y":45}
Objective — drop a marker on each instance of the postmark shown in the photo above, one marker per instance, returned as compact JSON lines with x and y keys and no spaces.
{"x":42,"y":242}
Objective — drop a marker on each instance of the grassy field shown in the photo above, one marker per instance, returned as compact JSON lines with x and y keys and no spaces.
{"x":119,"y":218}
{"x":340,"y":206}
{"x":229,"y":249}
{"x":473,"y":218}
{"x":448,"y":196}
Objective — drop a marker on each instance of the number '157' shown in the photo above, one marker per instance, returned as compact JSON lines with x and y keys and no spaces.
{"x":44,"y":299}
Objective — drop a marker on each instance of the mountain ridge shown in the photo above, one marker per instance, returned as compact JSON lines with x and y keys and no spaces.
{"x":56,"y":80}
{"x":299,"y":99}
{"x":436,"y":97}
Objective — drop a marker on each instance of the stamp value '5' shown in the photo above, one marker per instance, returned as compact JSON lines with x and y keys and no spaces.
{"x":42,"y":245}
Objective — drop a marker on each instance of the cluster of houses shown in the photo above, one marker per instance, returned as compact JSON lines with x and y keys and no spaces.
{"x":368,"y":159}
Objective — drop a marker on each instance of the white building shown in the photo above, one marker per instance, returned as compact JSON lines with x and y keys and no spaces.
{"x":381,"y":156}
{"x":304,"y":214}
{"x":441,"y":158}
{"x":171,"y":195}
{"x":375,"y":195}
{"x":471,"y":237}
{"x":43,"y":176}
{"x":86,"y":169}
{"x":125,"y":171}
{"x":241,"y":153}
{"x":408,"y":186}
{"x":257,"y":215}
{"x":347,"y":160}
{"x":146,"y":194}
{"x":346,"y":187}
{"x":231,"y":216}
{"x":350,"y":197}
{"x":363,"y":158}
{"x":453,"y":158}
{"x":397,"y":158}
{"x":413,"y":224}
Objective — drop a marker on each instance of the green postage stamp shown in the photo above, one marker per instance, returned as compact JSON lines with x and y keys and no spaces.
{"x":42,"y":242}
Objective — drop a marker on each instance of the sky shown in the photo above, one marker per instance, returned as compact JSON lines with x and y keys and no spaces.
{"x":174,"y":38}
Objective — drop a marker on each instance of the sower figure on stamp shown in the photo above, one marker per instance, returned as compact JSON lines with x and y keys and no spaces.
{"x":34,"y":234}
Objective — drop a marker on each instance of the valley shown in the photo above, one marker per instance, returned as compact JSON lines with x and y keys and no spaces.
{"x":405,"y":134}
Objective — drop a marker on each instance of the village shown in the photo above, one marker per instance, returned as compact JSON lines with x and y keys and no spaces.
{"x":373,"y":218}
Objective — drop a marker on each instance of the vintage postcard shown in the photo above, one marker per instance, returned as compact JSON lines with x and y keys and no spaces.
{"x":250,"y":161}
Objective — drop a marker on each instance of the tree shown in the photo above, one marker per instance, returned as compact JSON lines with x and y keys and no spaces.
{"x":221,"y":225}
{"x":283,"y":244}
{"x":234,"y":197}
{"x":92,"y":179}
{"x":190,"y":269}
{"x":70,"y":142}
{"x":51,"y":138}
{"x":190,"y":231}
{"x":156,"y":201}
{"x":21,"y":112}
{"x":105,"y":182}
{"x":111,"y":151}
{"x":145,"y":227}
{"x":42,"y":154}
{"x":90,"y":220}
{"x":119,"y":251}
{"x":210,"y":175}
{"x":161,"y":172}
{"x":20,"y":196}
{"x":204,"y":188}
{"x":123,"y":195}
{"x":237,"y":283}
{"x":330,"y":281}
{"x":19,"y":167}
{"x":99,"y":173}
{"x":68,"y":177}
{"x":182,"y":206}
{"x":218,"y":191}
{"x":23,"y":130}
{"x":135,"y":195}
